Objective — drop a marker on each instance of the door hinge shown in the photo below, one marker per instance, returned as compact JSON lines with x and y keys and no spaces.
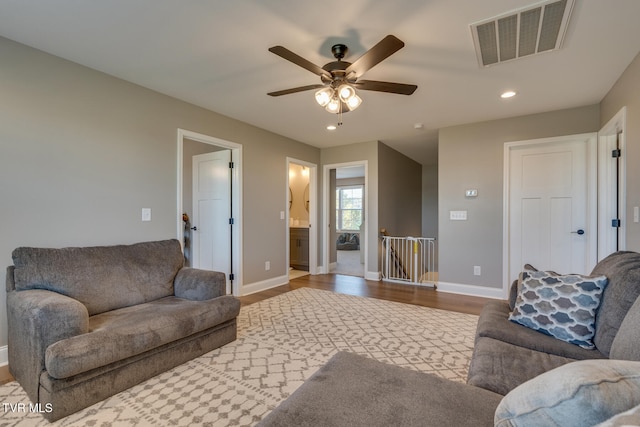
{"x":616,"y":153}
{"x":231,"y":276}
{"x":231,"y":165}
{"x":230,"y":221}
{"x":616,"y":223}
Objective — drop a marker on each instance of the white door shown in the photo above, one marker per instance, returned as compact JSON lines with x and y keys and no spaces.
{"x":550,"y":224}
{"x":212,"y":211}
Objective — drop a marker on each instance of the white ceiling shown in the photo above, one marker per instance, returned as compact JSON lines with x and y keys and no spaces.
{"x":214,"y":54}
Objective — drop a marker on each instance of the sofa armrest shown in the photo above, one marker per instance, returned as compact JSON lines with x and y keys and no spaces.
{"x":199,"y":285}
{"x":37,"y":319}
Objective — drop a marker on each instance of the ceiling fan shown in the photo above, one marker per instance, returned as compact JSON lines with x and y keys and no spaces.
{"x":340,"y":79}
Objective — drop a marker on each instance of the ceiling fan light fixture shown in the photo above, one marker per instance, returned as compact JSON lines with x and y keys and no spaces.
{"x":346,"y":92}
{"x":323,"y":96}
{"x":354,"y":102}
{"x":333,"y":106}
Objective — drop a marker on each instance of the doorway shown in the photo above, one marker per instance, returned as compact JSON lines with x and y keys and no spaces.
{"x":346,"y":201}
{"x":612,"y":219}
{"x":209,"y":223}
{"x":301,"y":216}
{"x":550,"y":208}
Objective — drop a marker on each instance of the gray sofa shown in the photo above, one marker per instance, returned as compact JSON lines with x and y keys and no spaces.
{"x":507,"y":354}
{"x":87,"y":323}
{"x":518,"y":376}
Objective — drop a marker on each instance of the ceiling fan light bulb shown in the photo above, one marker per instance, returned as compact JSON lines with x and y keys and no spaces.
{"x":333,"y":106}
{"x":323,"y":96}
{"x":346,"y":92}
{"x":354,"y":102}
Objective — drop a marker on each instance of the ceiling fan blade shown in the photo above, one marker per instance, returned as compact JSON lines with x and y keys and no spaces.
{"x":295,"y":90}
{"x":285,"y":53}
{"x":384,"y":49}
{"x":400,"y":88}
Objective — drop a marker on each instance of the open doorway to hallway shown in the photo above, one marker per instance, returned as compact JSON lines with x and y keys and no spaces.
{"x":347,"y":210}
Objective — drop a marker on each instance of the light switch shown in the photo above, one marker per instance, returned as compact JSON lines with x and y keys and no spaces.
{"x":458,"y":215}
{"x":146,"y":214}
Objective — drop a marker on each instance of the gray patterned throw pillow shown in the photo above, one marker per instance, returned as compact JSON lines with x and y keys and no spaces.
{"x":563,"y":306}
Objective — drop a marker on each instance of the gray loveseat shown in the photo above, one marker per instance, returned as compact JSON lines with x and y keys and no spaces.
{"x":87,"y":323}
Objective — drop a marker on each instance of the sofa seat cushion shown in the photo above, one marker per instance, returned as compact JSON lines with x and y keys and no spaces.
{"x":119,"y":334}
{"x":500,"y":367}
{"x":494,"y":323}
{"x":103,"y":278}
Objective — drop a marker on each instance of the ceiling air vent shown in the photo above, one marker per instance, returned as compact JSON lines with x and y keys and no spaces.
{"x":535,"y":29}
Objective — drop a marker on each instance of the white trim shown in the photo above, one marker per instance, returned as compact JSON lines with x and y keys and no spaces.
{"x":618,"y":123}
{"x":252,"y":288}
{"x":313,"y":214}
{"x":326,"y":214}
{"x":236,"y":196}
{"x":471,"y":290}
{"x":592,"y":191}
{"x":4,"y":355}
{"x":373,"y":275}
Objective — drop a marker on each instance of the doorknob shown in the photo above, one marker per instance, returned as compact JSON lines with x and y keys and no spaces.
{"x":580,"y":232}
{"x":194,"y":228}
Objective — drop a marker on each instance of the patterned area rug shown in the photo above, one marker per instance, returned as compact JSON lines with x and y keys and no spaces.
{"x":281,"y":342}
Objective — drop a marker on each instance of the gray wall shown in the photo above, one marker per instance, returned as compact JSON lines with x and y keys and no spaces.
{"x":471,"y":157}
{"x":626,"y":92}
{"x":399,"y":193}
{"x":430,"y":201}
{"x":81,"y":153}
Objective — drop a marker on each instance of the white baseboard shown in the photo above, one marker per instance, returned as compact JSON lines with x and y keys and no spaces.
{"x":252,"y":288}
{"x":373,"y":275}
{"x":4,"y":355}
{"x":471,"y":290}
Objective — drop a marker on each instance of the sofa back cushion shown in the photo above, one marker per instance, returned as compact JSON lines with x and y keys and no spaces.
{"x":626,"y":344}
{"x":623,"y":271}
{"x":103,"y":278}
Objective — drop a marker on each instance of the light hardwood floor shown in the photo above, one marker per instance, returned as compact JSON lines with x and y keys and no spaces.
{"x":417,"y":295}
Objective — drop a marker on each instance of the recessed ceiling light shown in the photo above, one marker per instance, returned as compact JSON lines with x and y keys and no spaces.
{"x":332,"y":127}
{"x":508,"y":94}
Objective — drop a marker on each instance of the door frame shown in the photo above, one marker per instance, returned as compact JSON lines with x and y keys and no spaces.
{"x":236,"y":198}
{"x":592,"y":190}
{"x":313,"y":214}
{"x":607,"y":187}
{"x":327,"y":215}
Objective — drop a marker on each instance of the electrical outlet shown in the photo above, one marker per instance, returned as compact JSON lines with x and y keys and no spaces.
{"x":477,"y":271}
{"x":267,"y":265}
{"x":146,"y":214}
